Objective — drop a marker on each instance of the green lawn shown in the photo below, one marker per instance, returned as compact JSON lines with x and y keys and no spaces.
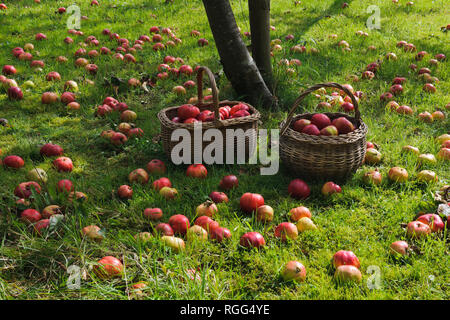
{"x":363,"y":219}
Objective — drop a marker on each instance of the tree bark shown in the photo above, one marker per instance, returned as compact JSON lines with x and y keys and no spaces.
{"x":259,"y":12}
{"x":238,"y":65}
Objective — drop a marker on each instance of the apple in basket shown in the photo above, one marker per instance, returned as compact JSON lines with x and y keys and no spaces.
{"x":187,"y":111}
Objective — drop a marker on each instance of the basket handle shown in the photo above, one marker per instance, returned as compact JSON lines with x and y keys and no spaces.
{"x":215,"y":93}
{"x":314,"y":88}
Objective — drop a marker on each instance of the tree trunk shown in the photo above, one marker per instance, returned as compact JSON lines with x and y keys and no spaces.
{"x":259,"y":12}
{"x":238,"y":65}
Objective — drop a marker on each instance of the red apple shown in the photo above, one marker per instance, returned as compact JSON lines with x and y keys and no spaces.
{"x":161,"y":183}
{"x":9,"y":70}
{"x":220,"y":234}
{"x":15,"y":162}
{"x":252,"y":240}
{"x":320,"y":120}
{"x":153,"y":213}
{"x":63,"y":164}
{"x":229,"y":182}
{"x":165,"y":229}
{"x":108,"y":267}
{"x":264,"y":213}
{"x":343,"y":125}
{"x":434,"y":221}
{"x":197,"y":171}
{"x":15,"y":93}
{"x":343,"y":257}
{"x":187,"y":111}
{"x":299,"y":212}
{"x":206,"y":223}
{"x":249,"y":202}
{"x":299,"y":189}
{"x":179,"y":223}
{"x":26,"y":189}
{"x":311,"y":130}
{"x":286,"y":230}
{"x":399,"y":247}
{"x":30,"y":216}
{"x":417,"y":229}
{"x":64,"y":185}
{"x":218,"y":197}
{"x":118,"y":138}
{"x":125,"y":192}
{"x":329,"y":131}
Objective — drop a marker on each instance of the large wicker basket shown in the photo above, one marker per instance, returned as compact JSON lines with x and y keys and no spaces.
{"x":244,"y":123}
{"x":323,"y":157}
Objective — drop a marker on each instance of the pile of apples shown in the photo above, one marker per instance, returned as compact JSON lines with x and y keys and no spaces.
{"x":189,"y":113}
{"x":321,"y":124}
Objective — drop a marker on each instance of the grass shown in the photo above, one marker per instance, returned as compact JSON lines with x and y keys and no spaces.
{"x":362,"y":219}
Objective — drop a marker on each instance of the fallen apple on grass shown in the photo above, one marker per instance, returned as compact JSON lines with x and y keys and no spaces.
{"x":434,"y":221}
{"x":252,"y":240}
{"x":343,"y":257}
{"x":372,"y":156}
{"x":299,"y":189}
{"x":285,"y":231}
{"x":30,"y":216}
{"x":176,"y":244}
{"x":250,"y":202}
{"x":206,"y":223}
{"x":93,"y":232}
{"x":264,"y":213}
{"x":220,"y":234}
{"x":37,"y":174}
{"x":125,"y":192}
{"x":26,"y":189}
{"x":427,"y":176}
{"x":330,"y":188}
{"x":197,"y":171}
{"x":229,"y":182}
{"x":207,"y":208}
{"x":153,"y":213}
{"x":305,"y":224}
{"x":373,"y":177}
{"x":161,"y":183}
{"x":179,"y":223}
{"x":168,"y":193}
{"x":294,"y":271}
{"x":196,"y":233}
{"x":164,"y":229}
{"x":417,"y":229}
{"x":138,"y":175}
{"x":399,"y":247}
{"x":398,"y":174}
{"x":63,"y":164}
{"x":347,"y":273}
{"x":218,"y":197}
{"x":13,"y":161}
{"x":51,"y":210}
{"x":108,"y":267}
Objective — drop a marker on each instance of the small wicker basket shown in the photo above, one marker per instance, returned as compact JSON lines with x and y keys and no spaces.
{"x":323,"y":157}
{"x":244,"y":123}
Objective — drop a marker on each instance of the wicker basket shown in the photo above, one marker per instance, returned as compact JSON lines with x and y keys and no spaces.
{"x":244,"y":123}
{"x":323,"y":157}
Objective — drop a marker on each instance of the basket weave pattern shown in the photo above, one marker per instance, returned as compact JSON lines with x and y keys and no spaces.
{"x":323,"y":157}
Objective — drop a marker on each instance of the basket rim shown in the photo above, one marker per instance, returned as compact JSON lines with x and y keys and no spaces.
{"x":254,"y":116}
{"x":355,"y":135}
